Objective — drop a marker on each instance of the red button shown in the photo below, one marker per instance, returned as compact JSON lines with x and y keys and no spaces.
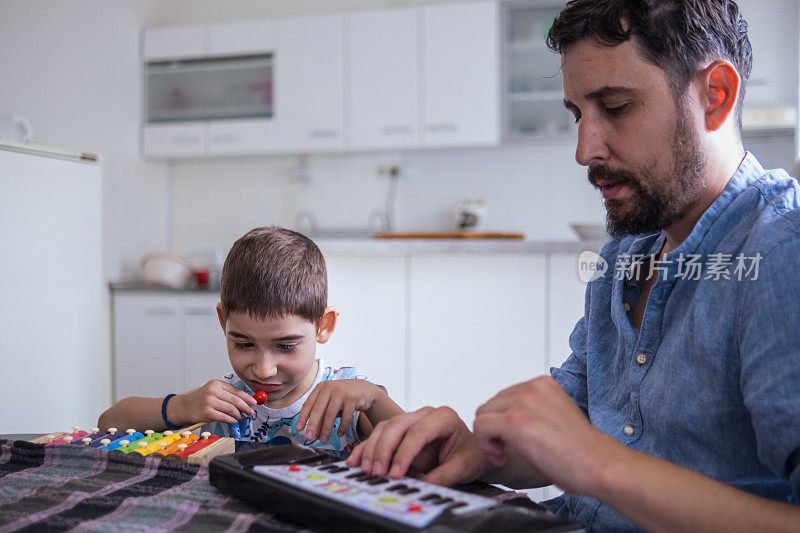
{"x":415,"y":508}
{"x":294,"y":468}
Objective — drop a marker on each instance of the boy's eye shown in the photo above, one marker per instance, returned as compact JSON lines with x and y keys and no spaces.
{"x":243,"y":345}
{"x":286,"y":347}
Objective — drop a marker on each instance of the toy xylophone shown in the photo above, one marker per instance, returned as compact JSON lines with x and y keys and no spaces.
{"x":181,"y":445}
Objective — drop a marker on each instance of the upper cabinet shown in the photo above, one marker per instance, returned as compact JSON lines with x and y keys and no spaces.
{"x":184,"y":42}
{"x":383,"y":64}
{"x":460,"y":74}
{"x":200,"y":79}
{"x":531,"y":82}
{"x":388,"y":79}
{"x":309,"y":94}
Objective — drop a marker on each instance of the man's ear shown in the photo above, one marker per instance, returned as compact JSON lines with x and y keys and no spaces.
{"x":720,"y":92}
{"x":327,"y":324}
{"x":221,"y":317}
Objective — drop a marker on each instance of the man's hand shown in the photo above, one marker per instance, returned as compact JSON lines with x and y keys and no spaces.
{"x":431,"y":440}
{"x":214,"y":401}
{"x":331,"y":399}
{"x":539,"y":422}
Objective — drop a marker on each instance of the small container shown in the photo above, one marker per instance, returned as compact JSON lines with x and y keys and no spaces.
{"x":167,"y":268}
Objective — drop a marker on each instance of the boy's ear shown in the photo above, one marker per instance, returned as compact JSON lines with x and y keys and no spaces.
{"x":720,"y":91}
{"x":327,"y":324}
{"x":221,"y":317}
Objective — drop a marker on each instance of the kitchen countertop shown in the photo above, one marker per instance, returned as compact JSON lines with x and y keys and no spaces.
{"x":451,"y":246}
{"x":138,"y":285}
{"x":372,"y":247}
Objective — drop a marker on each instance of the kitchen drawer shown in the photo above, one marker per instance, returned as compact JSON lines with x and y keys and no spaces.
{"x":175,"y":140}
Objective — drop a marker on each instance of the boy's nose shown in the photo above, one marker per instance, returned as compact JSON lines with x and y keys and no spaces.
{"x":264,"y":368}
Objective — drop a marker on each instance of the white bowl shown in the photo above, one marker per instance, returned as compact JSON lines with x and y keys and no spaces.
{"x":590,"y":232}
{"x":167,"y":268}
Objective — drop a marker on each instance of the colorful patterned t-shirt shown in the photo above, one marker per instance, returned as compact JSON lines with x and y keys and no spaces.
{"x":278,"y":426}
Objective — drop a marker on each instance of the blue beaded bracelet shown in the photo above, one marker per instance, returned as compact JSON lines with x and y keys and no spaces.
{"x":169,"y":424}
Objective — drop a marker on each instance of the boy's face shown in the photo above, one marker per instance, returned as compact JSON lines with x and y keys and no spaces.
{"x":275,"y":355}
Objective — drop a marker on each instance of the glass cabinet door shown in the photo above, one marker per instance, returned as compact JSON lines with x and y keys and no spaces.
{"x":208,"y":89}
{"x":532,"y":93}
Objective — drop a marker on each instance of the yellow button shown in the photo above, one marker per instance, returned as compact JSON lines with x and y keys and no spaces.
{"x":628,"y":430}
{"x":315,"y":476}
{"x":627,"y":306}
{"x":641,"y":358}
{"x":388,"y":499}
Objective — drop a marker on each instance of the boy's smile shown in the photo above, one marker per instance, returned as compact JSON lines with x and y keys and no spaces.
{"x":275,"y":355}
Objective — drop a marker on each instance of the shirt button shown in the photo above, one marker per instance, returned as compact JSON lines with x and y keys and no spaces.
{"x":641,"y":358}
{"x":627,"y":306}
{"x":628,"y":430}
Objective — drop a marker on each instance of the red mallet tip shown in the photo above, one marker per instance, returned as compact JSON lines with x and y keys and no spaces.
{"x":260,"y":396}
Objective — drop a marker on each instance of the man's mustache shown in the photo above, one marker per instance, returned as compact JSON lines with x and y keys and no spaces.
{"x":615,"y":177}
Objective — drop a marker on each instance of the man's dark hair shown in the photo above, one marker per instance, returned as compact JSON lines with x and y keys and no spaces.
{"x":675,"y":35}
{"x":274,"y":272}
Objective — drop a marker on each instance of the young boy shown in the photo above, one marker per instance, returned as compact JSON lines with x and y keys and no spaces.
{"x":273,"y":312}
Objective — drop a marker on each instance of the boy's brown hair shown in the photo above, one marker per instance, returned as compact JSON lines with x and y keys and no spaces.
{"x":274,"y":272}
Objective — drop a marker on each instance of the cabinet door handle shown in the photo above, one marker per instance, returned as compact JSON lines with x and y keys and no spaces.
{"x":226,"y":138}
{"x":397,"y":130}
{"x":153,"y":311}
{"x":186,"y":139}
{"x":318,"y":134}
{"x":442,"y":127}
{"x":200,"y":311}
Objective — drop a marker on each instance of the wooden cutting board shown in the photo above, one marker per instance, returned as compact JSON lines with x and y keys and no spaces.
{"x":472,"y":235}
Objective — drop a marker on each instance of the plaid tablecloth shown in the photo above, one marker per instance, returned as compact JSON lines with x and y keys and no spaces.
{"x":50,"y":488}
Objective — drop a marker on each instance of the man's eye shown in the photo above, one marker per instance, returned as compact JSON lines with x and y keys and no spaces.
{"x":243,"y":345}
{"x":618,"y":110}
{"x":286,"y":347}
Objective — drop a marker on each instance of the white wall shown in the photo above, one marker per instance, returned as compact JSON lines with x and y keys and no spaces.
{"x":72,"y":69}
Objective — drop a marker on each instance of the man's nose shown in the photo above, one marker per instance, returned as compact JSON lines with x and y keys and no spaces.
{"x":591,"y":148}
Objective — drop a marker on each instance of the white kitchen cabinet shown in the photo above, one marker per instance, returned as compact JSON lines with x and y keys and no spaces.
{"x":174,"y":42}
{"x":209,"y":90}
{"x":369,"y":292}
{"x":566,"y":296}
{"x":383,"y":67}
{"x":240,"y":137}
{"x":205,"y":352}
{"x":476,"y":326}
{"x":532,"y":96}
{"x":241,"y":38}
{"x":309,"y":88}
{"x":147,"y":344}
{"x":185,"y":139}
{"x":460,"y":74}
{"x":165,"y":342}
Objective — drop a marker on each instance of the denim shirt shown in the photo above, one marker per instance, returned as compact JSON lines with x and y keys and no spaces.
{"x":711,"y":381}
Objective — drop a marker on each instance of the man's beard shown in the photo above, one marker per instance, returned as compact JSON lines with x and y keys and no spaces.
{"x":657,"y":201}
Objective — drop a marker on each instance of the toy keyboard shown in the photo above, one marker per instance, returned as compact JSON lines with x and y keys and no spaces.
{"x":329,"y":496}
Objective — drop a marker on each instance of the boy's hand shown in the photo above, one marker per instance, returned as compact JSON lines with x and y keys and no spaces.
{"x":331,"y":399}
{"x":214,"y":401}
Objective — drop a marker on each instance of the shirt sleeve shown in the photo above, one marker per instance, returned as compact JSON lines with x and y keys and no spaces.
{"x":572,"y":374}
{"x":769,"y":321}
{"x":351,"y":372}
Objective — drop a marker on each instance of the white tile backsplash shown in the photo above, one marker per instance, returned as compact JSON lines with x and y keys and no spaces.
{"x":535,"y":189}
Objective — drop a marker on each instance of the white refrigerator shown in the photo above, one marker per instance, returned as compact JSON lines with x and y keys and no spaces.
{"x":53,"y":372}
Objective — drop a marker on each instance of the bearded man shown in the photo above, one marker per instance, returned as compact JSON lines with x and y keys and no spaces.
{"x":679,"y":408}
